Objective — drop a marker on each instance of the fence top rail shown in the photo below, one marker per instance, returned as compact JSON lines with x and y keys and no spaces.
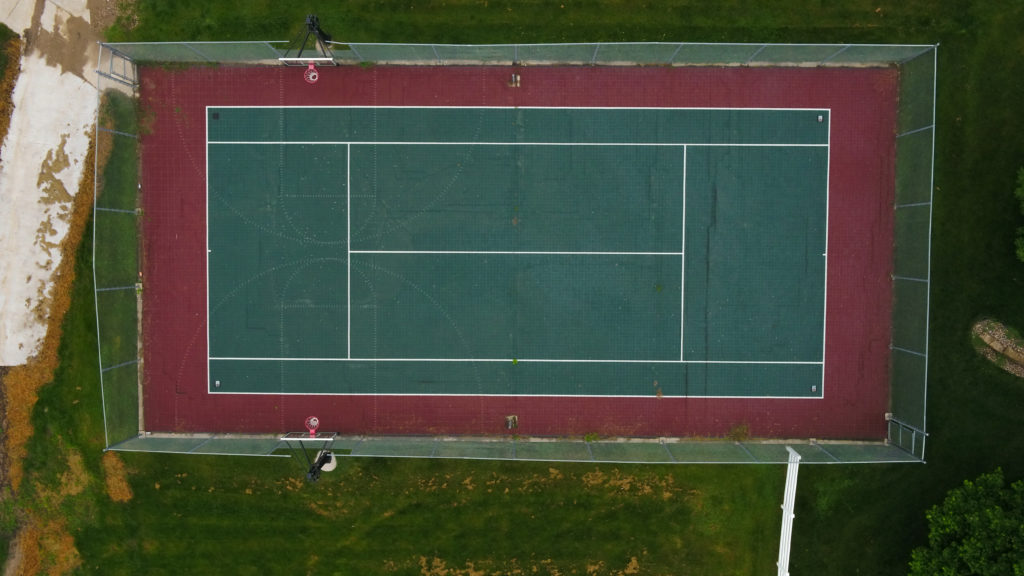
{"x":566,"y":450}
{"x":176,"y":42}
{"x":605,"y":53}
{"x":839,"y":44}
{"x":535,"y":43}
{"x":836,"y":44}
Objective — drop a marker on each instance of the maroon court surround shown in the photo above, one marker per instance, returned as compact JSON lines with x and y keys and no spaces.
{"x":860,"y":240}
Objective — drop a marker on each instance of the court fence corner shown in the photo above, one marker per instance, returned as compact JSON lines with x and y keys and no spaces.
{"x":118,"y":216}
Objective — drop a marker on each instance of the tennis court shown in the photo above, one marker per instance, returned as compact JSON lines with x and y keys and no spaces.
{"x":676,"y":252}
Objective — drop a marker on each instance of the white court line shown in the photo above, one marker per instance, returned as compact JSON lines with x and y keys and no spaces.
{"x":348,"y":246}
{"x":824,"y":311}
{"x":520,"y":396}
{"x":518,"y":360}
{"x":682,"y":268}
{"x":206,"y":231}
{"x":348,"y":144}
{"x":355,"y":106}
{"x":517,"y":253}
{"x":418,"y":143}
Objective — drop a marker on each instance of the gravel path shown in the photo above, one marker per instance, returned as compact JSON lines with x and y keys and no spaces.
{"x":42,"y":156}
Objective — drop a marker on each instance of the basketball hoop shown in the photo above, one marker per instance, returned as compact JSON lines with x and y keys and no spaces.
{"x":311,"y":75}
{"x":319,"y":443}
{"x":312,"y":423}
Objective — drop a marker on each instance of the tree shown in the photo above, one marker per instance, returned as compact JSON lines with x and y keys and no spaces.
{"x":977,"y":530}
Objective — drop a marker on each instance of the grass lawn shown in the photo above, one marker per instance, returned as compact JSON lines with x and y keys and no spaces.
{"x":117,"y":261}
{"x":210,"y":515}
{"x":239,"y":515}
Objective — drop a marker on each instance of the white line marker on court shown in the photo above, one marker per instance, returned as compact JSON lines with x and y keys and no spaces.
{"x":680,"y":254}
{"x":581,"y":108}
{"x":516,"y":253}
{"x":348,"y":245}
{"x":582,"y":144}
{"x":682,"y":267}
{"x":523,"y":360}
{"x":824,"y":312}
{"x":206,"y":232}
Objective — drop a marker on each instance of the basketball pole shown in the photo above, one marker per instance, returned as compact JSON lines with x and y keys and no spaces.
{"x":788,"y":502}
{"x":312,"y":467}
{"x":320,"y":39}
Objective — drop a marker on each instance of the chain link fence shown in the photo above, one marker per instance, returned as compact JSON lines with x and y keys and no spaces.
{"x":115,"y":244}
{"x":632,"y":450}
{"x":915,"y":146}
{"x":603,"y":54}
{"x":117,"y":219}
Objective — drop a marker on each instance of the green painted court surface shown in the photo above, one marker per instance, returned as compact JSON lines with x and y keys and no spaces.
{"x":518,"y":251}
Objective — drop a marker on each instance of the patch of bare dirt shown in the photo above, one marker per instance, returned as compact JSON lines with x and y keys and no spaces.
{"x":999,"y":346}
{"x":103,"y":13}
{"x":115,"y":477}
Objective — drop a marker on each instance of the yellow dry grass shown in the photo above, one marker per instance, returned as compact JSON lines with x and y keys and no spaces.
{"x":116,"y":478}
{"x":24,"y":560}
{"x":21,"y":384}
{"x":75,"y":479}
{"x":44,"y":546}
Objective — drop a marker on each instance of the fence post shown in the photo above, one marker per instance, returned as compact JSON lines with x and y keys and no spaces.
{"x":756,"y":52}
{"x":196,"y":50}
{"x":834,"y":54}
{"x":672,"y":58}
{"x":352,"y":47}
